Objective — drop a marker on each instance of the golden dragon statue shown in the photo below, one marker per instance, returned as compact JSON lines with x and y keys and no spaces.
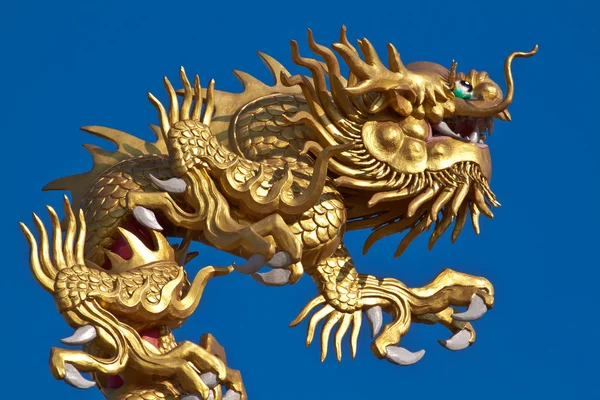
{"x":276,"y":175}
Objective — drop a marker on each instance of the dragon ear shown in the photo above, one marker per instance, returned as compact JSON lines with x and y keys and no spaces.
{"x":452,"y":76}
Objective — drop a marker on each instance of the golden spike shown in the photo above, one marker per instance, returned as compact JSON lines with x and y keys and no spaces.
{"x":162,"y":115}
{"x":321,"y":88}
{"x":457,"y":201}
{"x":34,"y":261}
{"x":480,"y":202}
{"x":307,"y":309}
{"x":331,"y":321}
{"x":174,"y":103}
{"x":79,"y":248}
{"x":412,"y":234}
{"x":369,"y":53}
{"x":393,"y":195}
{"x":440,"y":228}
{"x":461,"y":218}
{"x":344,"y":39}
{"x":373,"y":75}
{"x":357,"y":317}
{"x":420,"y":200}
{"x":452,"y":76}
{"x":475,"y":217}
{"x":441,"y":201}
{"x":187,"y":95}
{"x":275,"y":67}
{"x":197,"y":100}
{"x":57,"y":251}
{"x":394,"y":59}
{"x":339,"y":335}
{"x":314,"y":320}
{"x":388,"y":229}
{"x":47,"y":266}
{"x":337,"y":82}
{"x":70,"y":235}
{"x":210,"y":103}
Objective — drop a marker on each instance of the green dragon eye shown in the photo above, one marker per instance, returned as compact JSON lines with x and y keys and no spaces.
{"x":463,"y":90}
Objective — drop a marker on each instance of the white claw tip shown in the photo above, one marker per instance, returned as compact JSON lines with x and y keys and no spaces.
{"x":147,"y":218}
{"x":210,"y":379}
{"x":75,"y":379}
{"x":476,"y":310}
{"x":275,"y":277}
{"x":253,"y":264}
{"x":172,"y":185}
{"x":196,"y":397}
{"x":375,"y":317}
{"x":458,"y":341}
{"x":281,"y":259}
{"x":232,"y":395}
{"x":83,"y":335}
{"x":403,"y":357}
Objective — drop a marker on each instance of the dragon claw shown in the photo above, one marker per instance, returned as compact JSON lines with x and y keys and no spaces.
{"x":275,"y":277}
{"x":210,"y":379}
{"x":252,"y":264}
{"x":196,"y":397}
{"x":75,"y":379}
{"x":476,"y":310}
{"x":280,"y":260}
{"x":375,"y":317}
{"x":458,"y":341}
{"x":401,"y":356}
{"x":255,"y":262}
{"x":146,"y":217}
{"x":83,"y":335}
{"x":172,"y":185}
{"x":232,"y":395}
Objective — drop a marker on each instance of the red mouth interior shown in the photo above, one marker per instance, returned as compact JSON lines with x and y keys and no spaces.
{"x":464,"y":127}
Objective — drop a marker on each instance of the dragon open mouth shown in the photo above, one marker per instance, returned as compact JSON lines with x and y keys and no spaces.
{"x":466,"y":129}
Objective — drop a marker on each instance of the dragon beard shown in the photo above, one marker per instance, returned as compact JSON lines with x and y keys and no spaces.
{"x":434,"y":198}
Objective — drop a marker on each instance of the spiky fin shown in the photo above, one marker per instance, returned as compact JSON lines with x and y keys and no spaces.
{"x":128,"y":146}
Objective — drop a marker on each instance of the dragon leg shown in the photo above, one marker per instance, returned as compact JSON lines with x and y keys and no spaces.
{"x":344,"y":293}
{"x":212,"y":215}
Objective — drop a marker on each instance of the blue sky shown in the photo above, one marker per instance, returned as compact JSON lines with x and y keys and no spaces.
{"x":68,"y":64}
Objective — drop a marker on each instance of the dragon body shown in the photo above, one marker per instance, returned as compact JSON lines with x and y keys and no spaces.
{"x":277,"y":174}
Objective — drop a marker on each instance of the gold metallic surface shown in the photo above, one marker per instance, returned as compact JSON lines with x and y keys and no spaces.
{"x":281,"y":169}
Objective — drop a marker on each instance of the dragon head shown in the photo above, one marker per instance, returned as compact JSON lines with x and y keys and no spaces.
{"x":419,"y":133}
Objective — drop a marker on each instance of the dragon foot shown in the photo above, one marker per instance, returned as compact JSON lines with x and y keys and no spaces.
{"x":431,"y":304}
